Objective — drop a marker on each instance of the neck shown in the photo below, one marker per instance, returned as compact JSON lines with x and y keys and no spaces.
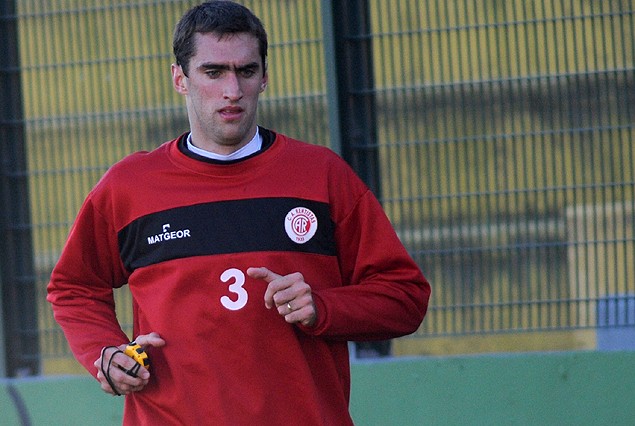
{"x":245,"y":150}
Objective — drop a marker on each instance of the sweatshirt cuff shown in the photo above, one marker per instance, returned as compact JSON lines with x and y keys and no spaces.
{"x":320,"y":318}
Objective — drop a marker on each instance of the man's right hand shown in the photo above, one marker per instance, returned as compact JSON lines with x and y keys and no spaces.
{"x":115,"y":364}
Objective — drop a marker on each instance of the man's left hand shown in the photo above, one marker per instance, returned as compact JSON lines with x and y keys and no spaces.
{"x":289,"y":294}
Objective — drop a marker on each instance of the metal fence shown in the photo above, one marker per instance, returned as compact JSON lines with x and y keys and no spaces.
{"x":499,"y":136}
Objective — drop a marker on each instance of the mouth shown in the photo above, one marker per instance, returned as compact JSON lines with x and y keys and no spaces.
{"x":231,"y":113}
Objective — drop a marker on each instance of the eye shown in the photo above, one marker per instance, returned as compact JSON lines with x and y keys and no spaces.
{"x":213,"y":73}
{"x":247,"y":72}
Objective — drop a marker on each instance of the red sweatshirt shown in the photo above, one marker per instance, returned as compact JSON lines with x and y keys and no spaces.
{"x":182,"y":231}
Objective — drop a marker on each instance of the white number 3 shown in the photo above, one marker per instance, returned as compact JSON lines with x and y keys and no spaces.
{"x":236,"y":287}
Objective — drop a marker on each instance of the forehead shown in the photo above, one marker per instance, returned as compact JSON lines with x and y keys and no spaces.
{"x":237,"y":49}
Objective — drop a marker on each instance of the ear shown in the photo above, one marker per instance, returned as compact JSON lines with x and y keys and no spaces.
{"x":179,"y":79}
{"x":264,"y":82}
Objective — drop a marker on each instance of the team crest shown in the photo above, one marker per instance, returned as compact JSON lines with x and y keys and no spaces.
{"x":300,"y":224}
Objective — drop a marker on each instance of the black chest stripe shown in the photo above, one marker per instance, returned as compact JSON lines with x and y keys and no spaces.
{"x":236,"y":226}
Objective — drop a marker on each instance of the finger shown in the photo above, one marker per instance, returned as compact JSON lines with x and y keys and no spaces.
{"x":305,"y":315}
{"x":126,"y":373}
{"x":151,"y":339}
{"x":126,"y":383}
{"x":106,"y":388}
{"x":262,"y":273}
{"x":113,"y":356}
{"x":281,"y":292}
{"x":144,"y":340}
{"x":296,"y":301}
{"x":268,"y":276}
{"x":130,"y":367}
{"x":110,"y":375}
{"x":285,"y":309}
{"x":290,"y":288}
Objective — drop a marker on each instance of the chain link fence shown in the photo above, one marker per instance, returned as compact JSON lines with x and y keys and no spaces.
{"x":504,"y":132}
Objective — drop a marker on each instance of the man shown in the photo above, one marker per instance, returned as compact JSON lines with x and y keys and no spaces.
{"x":252,"y":258}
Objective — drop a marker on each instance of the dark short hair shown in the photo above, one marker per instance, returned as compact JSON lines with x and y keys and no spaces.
{"x":221,"y":17}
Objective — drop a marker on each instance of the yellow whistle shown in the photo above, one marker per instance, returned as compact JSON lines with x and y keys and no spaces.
{"x":136,"y":352}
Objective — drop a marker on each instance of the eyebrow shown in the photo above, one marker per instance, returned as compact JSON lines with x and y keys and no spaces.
{"x":224,"y":67}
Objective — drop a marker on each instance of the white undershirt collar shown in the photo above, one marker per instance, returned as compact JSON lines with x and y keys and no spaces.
{"x":253,"y":146}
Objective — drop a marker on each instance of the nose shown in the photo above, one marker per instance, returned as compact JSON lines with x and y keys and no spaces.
{"x":232,"y":89}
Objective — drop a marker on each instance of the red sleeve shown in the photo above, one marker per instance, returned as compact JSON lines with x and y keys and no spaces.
{"x":81,"y":286}
{"x":385,"y":294}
